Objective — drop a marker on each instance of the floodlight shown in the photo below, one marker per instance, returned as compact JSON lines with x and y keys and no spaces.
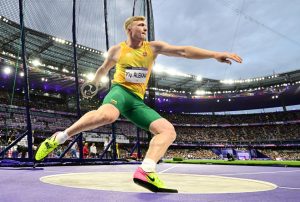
{"x":90,"y":76}
{"x":36,"y":62}
{"x":7,"y":70}
{"x":199,"y":78}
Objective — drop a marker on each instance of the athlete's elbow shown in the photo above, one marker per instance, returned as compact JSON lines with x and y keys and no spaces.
{"x":103,"y":70}
{"x":183,"y":53}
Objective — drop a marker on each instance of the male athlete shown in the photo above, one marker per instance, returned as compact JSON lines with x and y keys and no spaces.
{"x":134,"y":59}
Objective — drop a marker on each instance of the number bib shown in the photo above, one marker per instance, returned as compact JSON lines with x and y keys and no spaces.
{"x":136,"y":74}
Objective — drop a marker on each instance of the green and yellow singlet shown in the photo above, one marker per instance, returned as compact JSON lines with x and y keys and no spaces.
{"x":134,"y":67}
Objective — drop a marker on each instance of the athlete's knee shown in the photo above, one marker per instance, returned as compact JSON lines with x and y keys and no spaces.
{"x":170,"y":131}
{"x":173,"y":134}
{"x":107,"y":118}
{"x":163,"y":126}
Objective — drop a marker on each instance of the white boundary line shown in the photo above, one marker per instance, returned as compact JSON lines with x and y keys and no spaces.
{"x":289,"y":188}
{"x":168,"y":169}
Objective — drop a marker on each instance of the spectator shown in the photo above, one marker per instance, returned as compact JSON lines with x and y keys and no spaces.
{"x":93,"y":151}
{"x":86,"y":150}
{"x":108,"y":152}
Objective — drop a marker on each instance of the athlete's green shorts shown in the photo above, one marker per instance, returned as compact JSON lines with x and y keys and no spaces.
{"x":131,"y":106}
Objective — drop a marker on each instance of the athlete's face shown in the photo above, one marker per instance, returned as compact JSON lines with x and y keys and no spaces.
{"x":138,"y":30}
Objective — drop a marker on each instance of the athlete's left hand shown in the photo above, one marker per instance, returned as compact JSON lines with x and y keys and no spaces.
{"x":227,"y":57}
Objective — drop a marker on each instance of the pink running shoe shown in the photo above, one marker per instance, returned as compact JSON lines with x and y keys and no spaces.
{"x":150,"y":181}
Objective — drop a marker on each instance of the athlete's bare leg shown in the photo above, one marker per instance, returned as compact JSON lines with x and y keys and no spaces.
{"x":105,"y":114}
{"x":164,"y":136}
{"x":145,"y":175}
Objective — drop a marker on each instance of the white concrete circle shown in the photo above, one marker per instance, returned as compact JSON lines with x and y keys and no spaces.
{"x":185,"y":183}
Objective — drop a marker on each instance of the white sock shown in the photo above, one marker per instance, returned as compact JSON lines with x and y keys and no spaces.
{"x":61,"y":137}
{"x":148,"y":165}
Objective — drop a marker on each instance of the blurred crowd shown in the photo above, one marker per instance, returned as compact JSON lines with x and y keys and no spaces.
{"x":44,"y":123}
{"x":238,"y":134}
{"x":191,"y":154}
{"x":53,"y":114}
{"x":233,"y":119}
{"x":281,"y":155}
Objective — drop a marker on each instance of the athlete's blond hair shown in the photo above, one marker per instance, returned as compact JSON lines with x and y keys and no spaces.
{"x":128,"y":22}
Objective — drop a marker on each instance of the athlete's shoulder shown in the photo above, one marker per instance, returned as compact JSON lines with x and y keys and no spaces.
{"x":115,"y":47}
{"x":157,"y":43}
{"x":157,"y":46}
{"x":114,"y":52}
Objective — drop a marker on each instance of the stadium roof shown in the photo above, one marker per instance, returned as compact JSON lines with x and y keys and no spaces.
{"x":56,"y":56}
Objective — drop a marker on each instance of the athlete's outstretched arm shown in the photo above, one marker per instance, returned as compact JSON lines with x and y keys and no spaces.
{"x":192,"y":52}
{"x":108,"y":63}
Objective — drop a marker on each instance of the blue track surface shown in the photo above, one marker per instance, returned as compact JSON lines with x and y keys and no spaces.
{"x":24,"y":185}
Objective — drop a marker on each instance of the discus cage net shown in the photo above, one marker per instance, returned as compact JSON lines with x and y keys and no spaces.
{"x":48,"y":49}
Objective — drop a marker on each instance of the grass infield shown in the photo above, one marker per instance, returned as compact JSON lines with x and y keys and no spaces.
{"x":238,"y":162}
